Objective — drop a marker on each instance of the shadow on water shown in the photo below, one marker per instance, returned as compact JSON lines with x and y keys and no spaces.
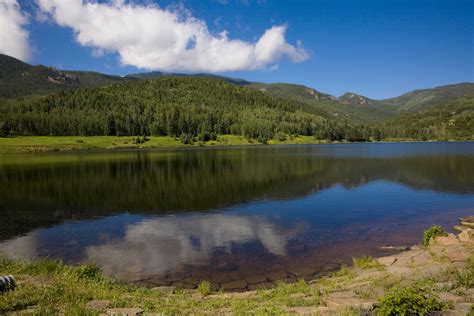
{"x":229,"y":210}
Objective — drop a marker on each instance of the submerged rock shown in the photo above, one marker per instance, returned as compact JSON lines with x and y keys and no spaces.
{"x":397,"y":248}
{"x":468,"y":219}
{"x":238,"y":285}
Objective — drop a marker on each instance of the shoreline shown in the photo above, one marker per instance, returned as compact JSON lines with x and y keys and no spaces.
{"x":444,"y":269}
{"x":50,"y":144}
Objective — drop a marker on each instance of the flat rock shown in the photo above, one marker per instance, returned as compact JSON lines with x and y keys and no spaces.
{"x":466,"y":235}
{"x":350,"y":302}
{"x":276,"y":275}
{"x":387,"y":261}
{"x":97,"y":304}
{"x":235,"y":285}
{"x":469,"y":219}
{"x":468,"y":224}
{"x":125,"y":311}
{"x":257,"y":278}
{"x":457,"y":254}
{"x":463,"y":308}
{"x":446,"y":296}
{"x":460,"y":228}
{"x":399,"y":270}
{"x":449,"y":240}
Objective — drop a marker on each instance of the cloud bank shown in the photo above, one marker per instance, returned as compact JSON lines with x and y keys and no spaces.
{"x":13,"y":35}
{"x":150,"y":37}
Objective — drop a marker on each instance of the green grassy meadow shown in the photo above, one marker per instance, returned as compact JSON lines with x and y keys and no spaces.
{"x":31,"y":144}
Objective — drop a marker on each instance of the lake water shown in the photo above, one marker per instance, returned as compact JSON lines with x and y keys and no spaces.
{"x":234,"y":214}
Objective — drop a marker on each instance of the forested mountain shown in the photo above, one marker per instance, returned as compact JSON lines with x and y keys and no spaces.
{"x":39,"y":100}
{"x":175,"y":106}
{"x":338,"y":107}
{"x":20,"y":79}
{"x":450,"y":120}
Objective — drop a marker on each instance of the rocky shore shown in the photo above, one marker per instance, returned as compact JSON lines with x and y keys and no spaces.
{"x":444,"y":269}
{"x":435,"y":262}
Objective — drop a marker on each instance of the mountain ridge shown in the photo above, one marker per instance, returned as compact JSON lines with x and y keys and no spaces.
{"x":18,"y":79}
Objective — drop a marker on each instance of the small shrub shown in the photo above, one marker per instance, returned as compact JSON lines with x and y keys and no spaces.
{"x":262,"y":139}
{"x":187,"y":139}
{"x":88,"y":272}
{"x":280,"y":136}
{"x":366,"y":262}
{"x":465,"y":278}
{"x":204,"y":136}
{"x":433,"y":232}
{"x":413,"y":300}
{"x":343,"y":272}
{"x":80,"y":141}
{"x":4,"y":129}
{"x":204,"y":288}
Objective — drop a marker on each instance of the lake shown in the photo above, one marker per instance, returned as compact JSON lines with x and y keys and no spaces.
{"x":236,"y":216}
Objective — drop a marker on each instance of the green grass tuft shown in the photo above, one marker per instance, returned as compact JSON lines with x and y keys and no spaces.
{"x":366,"y":262}
{"x":433,"y":232}
{"x":204,"y":288}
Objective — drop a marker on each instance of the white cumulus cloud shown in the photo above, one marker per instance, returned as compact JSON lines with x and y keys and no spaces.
{"x":150,"y":37}
{"x":13,"y":35}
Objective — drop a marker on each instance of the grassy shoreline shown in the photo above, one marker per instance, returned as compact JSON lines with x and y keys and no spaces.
{"x":437,"y":276}
{"x":39,"y":144}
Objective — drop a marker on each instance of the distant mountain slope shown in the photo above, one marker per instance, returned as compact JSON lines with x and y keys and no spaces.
{"x":159,"y":74}
{"x":351,"y":111}
{"x":20,"y":79}
{"x":419,"y":99}
{"x":355,"y":99}
{"x":448,"y":120}
{"x":10,"y":66}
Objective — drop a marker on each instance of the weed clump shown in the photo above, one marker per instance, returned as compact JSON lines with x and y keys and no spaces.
{"x":413,"y":300}
{"x":433,"y":232}
{"x":204,"y":288}
{"x":366,"y":262}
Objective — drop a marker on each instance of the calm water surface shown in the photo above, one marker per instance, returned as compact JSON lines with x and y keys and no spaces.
{"x":159,"y":217}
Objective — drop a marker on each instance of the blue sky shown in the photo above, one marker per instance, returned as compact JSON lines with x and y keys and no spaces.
{"x":372,"y":47}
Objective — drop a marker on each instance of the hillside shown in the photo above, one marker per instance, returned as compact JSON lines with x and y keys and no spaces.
{"x":20,"y":79}
{"x":256,"y":110}
{"x":355,"y":99}
{"x":447,"y":121}
{"x":350,"y":111}
{"x":173,"y":106}
{"x":419,"y":99}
